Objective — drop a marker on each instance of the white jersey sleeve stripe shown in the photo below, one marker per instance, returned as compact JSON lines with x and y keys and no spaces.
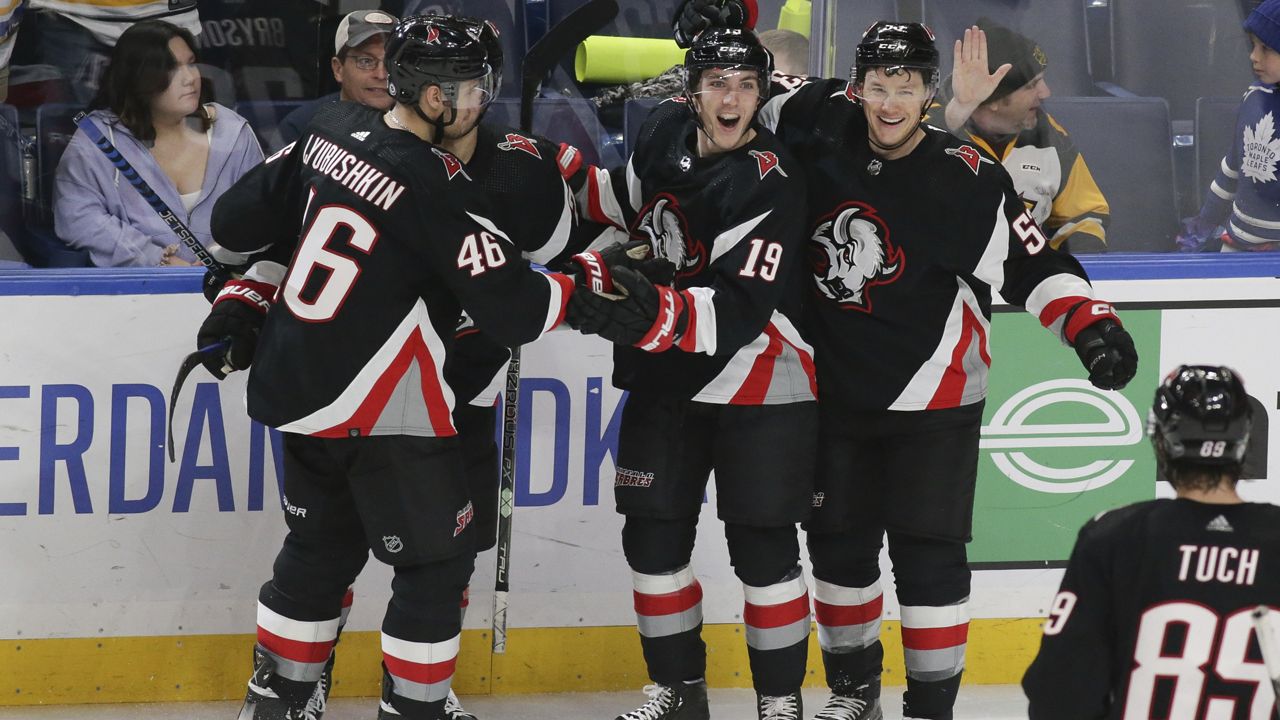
{"x":729,"y":239}
{"x":990,"y":269}
{"x":635,"y":191}
{"x":560,"y":237}
{"x":704,"y":330}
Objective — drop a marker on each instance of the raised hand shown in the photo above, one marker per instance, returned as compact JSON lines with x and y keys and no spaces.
{"x":972,"y":82}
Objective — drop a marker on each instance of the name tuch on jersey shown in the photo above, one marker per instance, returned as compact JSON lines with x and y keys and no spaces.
{"x":361,"y":178}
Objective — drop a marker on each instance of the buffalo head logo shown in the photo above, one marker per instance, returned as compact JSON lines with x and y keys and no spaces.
{"x":664,"y":225}
{"x":852,"y":253}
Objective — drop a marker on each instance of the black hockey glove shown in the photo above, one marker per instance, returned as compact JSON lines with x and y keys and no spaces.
{"x":237,"y":316}
{"x":650,"y":317}
{"x":694,"y":16}
{"x":593,"y":269}
{"x":1104,"y":346}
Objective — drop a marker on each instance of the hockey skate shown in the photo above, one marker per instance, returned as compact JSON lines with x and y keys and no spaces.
{"x":266,"y":701}
{"x":861,"y":703}
{"x":688,"y":701}
{"x":453,"y":709}
{"x":779,"y":707}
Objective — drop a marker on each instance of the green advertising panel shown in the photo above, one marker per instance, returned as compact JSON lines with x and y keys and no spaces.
{"x":1055,"y":450}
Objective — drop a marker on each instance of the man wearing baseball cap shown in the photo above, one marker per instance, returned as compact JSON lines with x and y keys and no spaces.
{"x":357,"y":66}
{"x":996,"y":93}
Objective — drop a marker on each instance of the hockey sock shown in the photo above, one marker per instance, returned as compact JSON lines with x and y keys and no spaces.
{"x":298,"y":639}
{"x":669,"y":616}
{"x":421,"y":633}
{"x":933,"y":582}
{"x":777,"y":625}
{"x":849,"y":633}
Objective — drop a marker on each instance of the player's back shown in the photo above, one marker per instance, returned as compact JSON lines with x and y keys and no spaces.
{"x":1173,"y":583}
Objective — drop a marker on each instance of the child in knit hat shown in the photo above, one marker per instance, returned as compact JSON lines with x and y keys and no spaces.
{"x":1244,"y":198}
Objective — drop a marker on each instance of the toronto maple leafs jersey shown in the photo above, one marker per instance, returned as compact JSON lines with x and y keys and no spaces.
{"x":531,"y":203}
{"x":904,"y":255}
{"x":1153,"y":616}
{"x":390,"y":241}
{"x":731,"y":224}
{"x":1245,"y":188}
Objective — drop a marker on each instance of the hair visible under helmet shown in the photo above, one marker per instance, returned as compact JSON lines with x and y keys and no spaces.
{"x":897,"y":47}
{"x":444,"y":51}
{"x":727,"y":49}
{"x":1199,"y":425}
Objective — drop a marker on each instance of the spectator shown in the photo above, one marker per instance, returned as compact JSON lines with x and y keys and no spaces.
{"x":790,"y":51}
{"x":76,"y":36}
{"x":149,"y":107}
{"x":360,"y":44}
{"x":996,"y":104}
{"x":9,"y":20}
{"x":1247,"y":205}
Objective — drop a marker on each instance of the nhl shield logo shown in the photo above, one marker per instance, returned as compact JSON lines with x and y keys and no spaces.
{"x":393,"y":543}
{"x":970,"y":156}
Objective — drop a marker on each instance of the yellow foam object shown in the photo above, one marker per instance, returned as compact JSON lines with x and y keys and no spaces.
{"x":796,"y":15}
{"x":609,"y":59}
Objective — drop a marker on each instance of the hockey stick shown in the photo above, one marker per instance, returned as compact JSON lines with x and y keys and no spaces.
{"x":556,"y":44}
{"x":1267,"y":642}
{"x":183,"y":232}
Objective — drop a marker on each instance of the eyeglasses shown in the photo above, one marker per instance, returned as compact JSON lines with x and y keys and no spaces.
{"x":367,"y":63}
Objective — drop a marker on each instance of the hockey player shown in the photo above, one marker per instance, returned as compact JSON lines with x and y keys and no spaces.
{"x":910,"y":231}
{"x":1153,"y":616}
{"x":719,"y":378}
{"x":374,"y":240}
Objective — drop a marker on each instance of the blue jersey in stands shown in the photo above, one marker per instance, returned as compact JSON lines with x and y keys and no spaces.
{"x":1246,"y":185}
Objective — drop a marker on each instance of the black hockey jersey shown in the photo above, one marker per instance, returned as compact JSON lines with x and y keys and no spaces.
{"x":731,"y":224}
{"x":531,"y":202}
{"x":904,"y":254}
{"x":390,"y":240}
{"x":1153,"y":616}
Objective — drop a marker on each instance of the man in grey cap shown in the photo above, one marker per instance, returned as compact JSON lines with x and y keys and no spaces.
{"x":357,"y":66}
{"x":997,"y":90}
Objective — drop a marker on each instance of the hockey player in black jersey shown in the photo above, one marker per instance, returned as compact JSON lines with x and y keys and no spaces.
{"x":718,"y":376}
{"x":367,"y":243}
{"x":910,"y":230}
{"x":1153,"y":616}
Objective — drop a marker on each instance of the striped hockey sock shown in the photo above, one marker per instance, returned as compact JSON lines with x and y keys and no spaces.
{"x":933,"y":641}
{"x":669,"y":616}
{"x":849,"y":633}
{"x":420,"y":671}
{"x":777,"y":623}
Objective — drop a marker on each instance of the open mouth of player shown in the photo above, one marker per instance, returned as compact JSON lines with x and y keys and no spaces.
{"x":891,"y":122}
{"x":729,"y":122}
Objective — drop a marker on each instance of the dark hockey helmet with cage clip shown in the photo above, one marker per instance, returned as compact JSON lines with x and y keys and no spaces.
{"x":441,"y":50}
{"x":727,"y":48}
{"x":893,"y":44}
{"x":1201,"y":416}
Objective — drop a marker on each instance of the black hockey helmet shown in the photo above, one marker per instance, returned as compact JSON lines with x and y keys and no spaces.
{"x":727,"y":48}
{"x":441,"y":50}
{"x":896,"y":45}
{"x":1201,"y":416}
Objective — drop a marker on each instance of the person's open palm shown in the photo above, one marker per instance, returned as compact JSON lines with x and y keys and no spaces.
{"x":972,"y":83}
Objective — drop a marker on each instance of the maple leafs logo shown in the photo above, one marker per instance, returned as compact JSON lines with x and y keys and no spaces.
{"x":1261,"y":150}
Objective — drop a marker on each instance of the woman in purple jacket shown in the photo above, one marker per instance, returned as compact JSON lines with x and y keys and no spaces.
{"x":149,"y":107}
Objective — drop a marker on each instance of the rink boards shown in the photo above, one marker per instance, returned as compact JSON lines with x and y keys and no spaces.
{"x":127,"y":578}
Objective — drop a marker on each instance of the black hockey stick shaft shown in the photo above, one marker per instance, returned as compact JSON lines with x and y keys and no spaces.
{"x":170,"y":218}
{"x":556,"y":44}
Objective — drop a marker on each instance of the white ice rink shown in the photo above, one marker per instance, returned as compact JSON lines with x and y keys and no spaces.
{"x":979,"y":702}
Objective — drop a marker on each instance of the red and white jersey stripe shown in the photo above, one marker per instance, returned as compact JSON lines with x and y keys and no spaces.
{"x":774,"y":369}
{"x":956,"y":374}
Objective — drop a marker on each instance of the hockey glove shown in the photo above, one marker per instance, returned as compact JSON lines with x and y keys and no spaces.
{"x":1103,"y":345}
{"x":650,"y":317}
{"x":694,"y":16}
{"x":593,"y":269}
{"x":237,"y":316}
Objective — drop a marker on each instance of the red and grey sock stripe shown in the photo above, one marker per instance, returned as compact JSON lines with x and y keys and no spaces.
{"x":667,"y":604}
{"x":420,"y":671}
{"x":300,"y":647}
{"x":776,"y":616}
{"x":934,"y":640}
{"x":848,"y":617}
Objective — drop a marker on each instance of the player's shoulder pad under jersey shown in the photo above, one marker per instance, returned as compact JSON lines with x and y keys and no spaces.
{"x":1109,"y":523}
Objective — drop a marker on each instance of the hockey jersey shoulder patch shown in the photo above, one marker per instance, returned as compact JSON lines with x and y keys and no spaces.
{"x":452,"y":165}
{"x":516,"y":142}
{"x":970,"y":156}
{"x":768,"y":162}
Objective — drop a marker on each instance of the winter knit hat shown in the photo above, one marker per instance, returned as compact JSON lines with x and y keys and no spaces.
{"x":1026,"y":57}
{"x":1264,"y":23}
